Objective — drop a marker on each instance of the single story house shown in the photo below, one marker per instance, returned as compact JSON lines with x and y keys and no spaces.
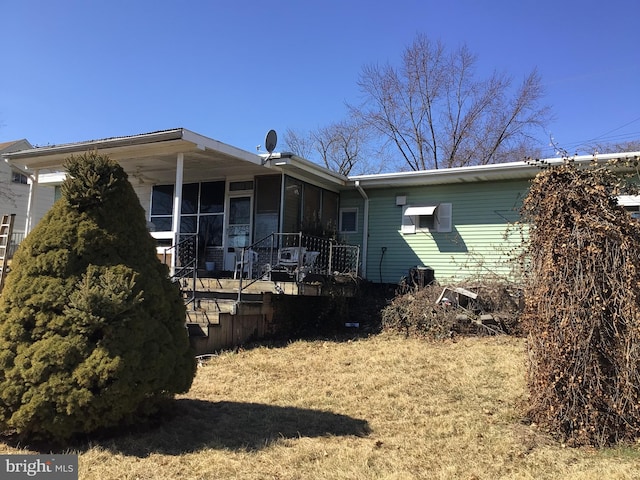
{"x":452,"y":223}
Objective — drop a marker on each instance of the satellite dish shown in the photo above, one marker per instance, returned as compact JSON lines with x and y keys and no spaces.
{"x":271,"y":141}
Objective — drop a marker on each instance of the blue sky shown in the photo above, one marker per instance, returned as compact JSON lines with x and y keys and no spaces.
{"x":78,"y":70}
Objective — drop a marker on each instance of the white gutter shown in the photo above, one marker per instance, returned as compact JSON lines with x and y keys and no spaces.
{"x":365,"y":228}
{"x":510,"y":170}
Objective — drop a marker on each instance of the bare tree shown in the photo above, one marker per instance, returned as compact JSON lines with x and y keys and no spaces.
{"x":626,"y":146}
{"x":438,"y":114}
{"x":299,"y":143}
{"x":342,"y":146}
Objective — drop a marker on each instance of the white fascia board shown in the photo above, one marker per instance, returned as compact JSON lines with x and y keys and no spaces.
{"x":304,"y":169}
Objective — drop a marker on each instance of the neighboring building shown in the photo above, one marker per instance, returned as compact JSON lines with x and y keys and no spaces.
{"x":458,"y":222}
{"x":15,"y":191}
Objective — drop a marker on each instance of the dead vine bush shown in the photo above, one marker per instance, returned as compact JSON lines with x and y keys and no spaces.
{"x":582,"y":309}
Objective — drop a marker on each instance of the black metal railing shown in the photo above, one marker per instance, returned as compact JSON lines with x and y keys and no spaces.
{"x":185,"y":270}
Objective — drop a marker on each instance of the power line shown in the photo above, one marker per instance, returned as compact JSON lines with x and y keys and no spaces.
{"x":603,"y":138}
{"x":615,"y":129}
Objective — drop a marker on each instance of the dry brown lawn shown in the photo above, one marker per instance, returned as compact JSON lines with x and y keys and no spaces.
{"x":381,"y":408}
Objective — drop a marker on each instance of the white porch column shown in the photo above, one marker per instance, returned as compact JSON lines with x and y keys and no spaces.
{"x":31,"y":204}
{"x":177,"y":205}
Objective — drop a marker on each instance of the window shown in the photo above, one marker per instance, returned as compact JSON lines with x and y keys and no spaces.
{"x":17,"y":177}
{"x":348,"y":220}
{"x":426,"y":218}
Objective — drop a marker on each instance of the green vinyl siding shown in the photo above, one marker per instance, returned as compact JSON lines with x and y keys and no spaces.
{"x":482,"y":214}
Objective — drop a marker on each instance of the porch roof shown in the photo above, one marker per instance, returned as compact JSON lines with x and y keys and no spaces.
{"x":151,"y":157}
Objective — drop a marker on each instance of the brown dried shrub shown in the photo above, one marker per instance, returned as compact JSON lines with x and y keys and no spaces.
{"x":582,"y":308}
{"x":416,"y":313}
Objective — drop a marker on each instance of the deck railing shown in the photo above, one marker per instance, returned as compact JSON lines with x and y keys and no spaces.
{"x":16,"y":238}
{"x":295,"y":257}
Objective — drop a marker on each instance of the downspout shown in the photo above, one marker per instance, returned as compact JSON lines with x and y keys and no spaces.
{"x":31,"y":203}
{"x":365,"y":228}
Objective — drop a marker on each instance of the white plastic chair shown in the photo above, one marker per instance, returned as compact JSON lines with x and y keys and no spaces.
{"x":244,"y":265}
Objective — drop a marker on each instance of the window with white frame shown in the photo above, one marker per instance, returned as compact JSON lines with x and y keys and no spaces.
{"x":18,"y":177}
{"x":348,"y":220}
{"x":426,"y":218}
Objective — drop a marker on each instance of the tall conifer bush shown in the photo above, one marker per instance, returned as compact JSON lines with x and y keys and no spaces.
{"x":583,"y":307}
{"x":91,"y":328}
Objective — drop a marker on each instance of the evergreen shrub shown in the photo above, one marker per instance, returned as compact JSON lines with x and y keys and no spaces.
{"x":92,"y":331}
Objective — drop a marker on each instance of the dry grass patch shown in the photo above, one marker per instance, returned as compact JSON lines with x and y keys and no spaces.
{"x":381,"y":408}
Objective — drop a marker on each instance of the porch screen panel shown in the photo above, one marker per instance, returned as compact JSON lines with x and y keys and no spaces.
{"x":329,"y":211}
{"x":162,"y":207}
{"x":190,"y":193}
{"x":292,"y":205}
{"x":267,"y":206}
{"x":312,"y":202}
{"x":189,"y":210}
{"x":210,"y":231}
{"x":211,"y":219}
{"x":212,"y":197}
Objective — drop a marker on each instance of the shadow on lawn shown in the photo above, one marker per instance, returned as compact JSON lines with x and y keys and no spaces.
{"x":198,"y":424}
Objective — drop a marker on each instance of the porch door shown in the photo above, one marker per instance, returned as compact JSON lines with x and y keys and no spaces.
{"x":239,"y":228}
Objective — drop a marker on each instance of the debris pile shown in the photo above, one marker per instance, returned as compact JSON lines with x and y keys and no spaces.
{"x":437,"y":313}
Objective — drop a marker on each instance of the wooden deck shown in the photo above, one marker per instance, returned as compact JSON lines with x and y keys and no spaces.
{"x":217,"y":318}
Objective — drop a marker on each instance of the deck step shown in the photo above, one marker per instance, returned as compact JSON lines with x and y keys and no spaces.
{"x":196,"y":330}
{"x":231,"y":295}
{"x":202,"y":317}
